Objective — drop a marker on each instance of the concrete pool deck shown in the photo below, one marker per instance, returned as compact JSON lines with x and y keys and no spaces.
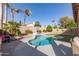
{"x":23,"y":48}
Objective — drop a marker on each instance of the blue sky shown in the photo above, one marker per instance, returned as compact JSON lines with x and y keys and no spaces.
{"x":43,"y":12}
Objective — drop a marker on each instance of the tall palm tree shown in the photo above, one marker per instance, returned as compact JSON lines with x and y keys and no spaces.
{"x":26,"y":12}
{"x":1,"y":16}
{"x":13,"y":11}
{"x":6,"y":6}
{"x":53,"y":22}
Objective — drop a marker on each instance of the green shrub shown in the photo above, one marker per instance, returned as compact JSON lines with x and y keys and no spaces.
{"x":49,"y":28}
{"x":39,"y":31}
{"x":18,"y":32}
{"x":44,"y":31}
{"x":28,"y":32}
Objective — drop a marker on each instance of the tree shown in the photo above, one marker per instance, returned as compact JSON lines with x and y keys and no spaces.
{"x":13,"y":11}
{"x":20,"y":22}
{"x":66,"y":21}
{"x":71,"y":24}
{"x":49,"y":28}
{"x":6,"y":6}
{"x":53,"y":22}
{"x":37,"y":24}
{"x":1,"y":16}
{"x":26,"y":12}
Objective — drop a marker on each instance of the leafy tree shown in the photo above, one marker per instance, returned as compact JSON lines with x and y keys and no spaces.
{"x":67,"y":22}
{"x":64,"y":21}
{"x":49,"y":28}
{"x":71,"y":25}
{"x":37,"y":24}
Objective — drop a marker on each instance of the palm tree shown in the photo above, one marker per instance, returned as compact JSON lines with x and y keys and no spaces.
{"x":20,"y":22}
{"x":6,"y":6}
{"x":1,"y":16}
{"x":13,"y":11}
{"x":53,"y":22}
{"x":26,"y":12}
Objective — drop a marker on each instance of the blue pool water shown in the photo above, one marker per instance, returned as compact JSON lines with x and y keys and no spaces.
{"x":41,"y":40}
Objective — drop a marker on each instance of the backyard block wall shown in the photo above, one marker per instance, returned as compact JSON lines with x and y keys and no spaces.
{"x":54,"y":31}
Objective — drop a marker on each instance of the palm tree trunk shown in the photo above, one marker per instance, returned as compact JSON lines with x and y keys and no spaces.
{"x":24,"y":19}
{"x":12,"y":11}
{"x":1,"y":23}
{"x":12,"y":15}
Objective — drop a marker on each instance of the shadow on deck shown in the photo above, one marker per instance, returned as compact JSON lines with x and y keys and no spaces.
{"x":61,"y":50}
{"x":18,"y":48}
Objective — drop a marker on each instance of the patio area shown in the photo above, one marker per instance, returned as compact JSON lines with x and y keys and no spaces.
{"x":23,"y":48}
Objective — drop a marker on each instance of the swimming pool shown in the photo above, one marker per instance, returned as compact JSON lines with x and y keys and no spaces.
{"x":41,"y":40}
